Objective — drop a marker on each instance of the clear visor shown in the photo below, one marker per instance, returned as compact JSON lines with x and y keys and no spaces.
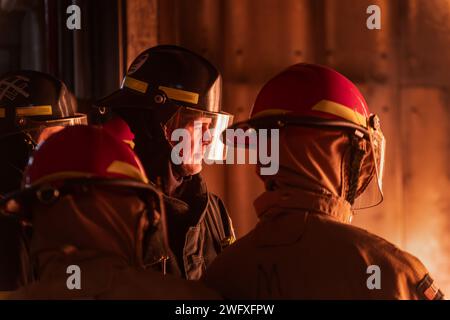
{"x":196,"y":135}
{"x":39,"y":131}
{"x":370,"y":193}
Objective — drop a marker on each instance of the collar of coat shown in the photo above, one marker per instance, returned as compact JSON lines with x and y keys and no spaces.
{"x":293,"y":199}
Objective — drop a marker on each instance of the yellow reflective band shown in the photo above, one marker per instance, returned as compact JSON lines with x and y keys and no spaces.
{"x":34,"y":111}
{"x":2,"y":112}
{"x":342,"y":111}
{"x":180,"y":95}
{"x":135,"y":84}
{"x":130,"y":143}
{"x":431,"y":292}
{"x":127,"y":169}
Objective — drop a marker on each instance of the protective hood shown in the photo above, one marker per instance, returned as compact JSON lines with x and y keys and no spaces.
{"x":315,"y":162}
{"x":111,"y":223}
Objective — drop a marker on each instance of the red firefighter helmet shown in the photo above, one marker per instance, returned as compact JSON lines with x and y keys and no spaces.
{"x":83,"y":152}
{"x":74,"y":157}
{"x":314,"y":95}
{"x":309,"y":91}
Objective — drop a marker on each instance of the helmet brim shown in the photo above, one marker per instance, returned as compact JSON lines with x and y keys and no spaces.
{"x":19,"y":196}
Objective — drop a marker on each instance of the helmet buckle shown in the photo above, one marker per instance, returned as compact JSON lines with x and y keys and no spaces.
{"x":159,"y":99}
{"x":47,"y":194}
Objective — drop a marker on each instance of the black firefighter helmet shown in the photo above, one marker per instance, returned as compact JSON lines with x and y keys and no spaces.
{"x":174,"y":85}
{"x":33,"y":105}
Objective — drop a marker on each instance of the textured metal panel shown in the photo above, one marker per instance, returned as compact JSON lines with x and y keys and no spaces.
{"x":354,"y":49}
{"x":201,"y":24}
{"x":262,"y":37}
{"x":426,"y":180}
{"x":142,"y":17}
{"x":427,"y":42}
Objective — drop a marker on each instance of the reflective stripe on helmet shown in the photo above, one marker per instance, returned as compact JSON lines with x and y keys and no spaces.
{"x":127,"y":169}
{"x":340,"y":110}
{"x":180,"y":95}
{"x":34,"y":111}
{"x":130,"y":143}
{"x":135,"y":84}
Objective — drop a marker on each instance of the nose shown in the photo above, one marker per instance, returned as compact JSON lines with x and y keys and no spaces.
{"x":207,"y":137}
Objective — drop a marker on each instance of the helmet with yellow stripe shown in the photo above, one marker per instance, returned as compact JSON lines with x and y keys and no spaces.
{"x":168,"y":77}
{"x":312,"y":92}
{"x":80,"y":156}
{"x":167,"y":88}
{"x":33,"y":105}
{"x":314,"y":95}
{"x":82,"y":152}
{"x":31,"y":101}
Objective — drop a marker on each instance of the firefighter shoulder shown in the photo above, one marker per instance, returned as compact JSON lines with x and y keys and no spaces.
{"x":304,"y":246}
{"x":293,"y":254}
{"x":91,"y":207}
{"x":168,"y":88}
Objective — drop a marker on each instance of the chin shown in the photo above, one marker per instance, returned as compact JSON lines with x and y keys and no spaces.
{"x":192,"y":169}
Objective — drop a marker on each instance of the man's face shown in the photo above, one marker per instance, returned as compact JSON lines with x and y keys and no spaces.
{"x":197,"y":132}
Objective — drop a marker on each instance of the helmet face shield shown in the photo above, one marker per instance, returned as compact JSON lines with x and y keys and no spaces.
{"x":39,"y":130}
{"x":371,"y":193}
{"x":370,"y":183}
{"x":196,"y":135}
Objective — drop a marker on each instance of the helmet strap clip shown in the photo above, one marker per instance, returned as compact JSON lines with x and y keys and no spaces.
{"x":356,"y":156}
